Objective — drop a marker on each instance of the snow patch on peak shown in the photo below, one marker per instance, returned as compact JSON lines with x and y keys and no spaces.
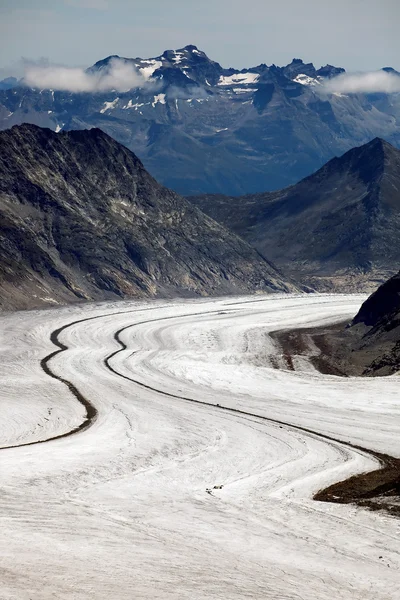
{"x":152,"y":65}
{"x":307,"y":80}
{"x":109,"y":105}
{"x":131,"y":105}
{"x":159,"y":99}
{"x":178,"y":57}
{"x":239,"y":78}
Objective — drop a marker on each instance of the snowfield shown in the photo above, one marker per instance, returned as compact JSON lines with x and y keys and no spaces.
{"x":184,"y":396}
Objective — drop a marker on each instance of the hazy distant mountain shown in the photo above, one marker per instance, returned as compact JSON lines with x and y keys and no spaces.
{"x":201,"y":128}
{"x":336,"y":229}
{"x":8,"y":83}
{"x":80,"y":218}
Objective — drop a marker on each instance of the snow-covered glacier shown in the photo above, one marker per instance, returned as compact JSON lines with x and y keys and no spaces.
{"x":162,"y":449}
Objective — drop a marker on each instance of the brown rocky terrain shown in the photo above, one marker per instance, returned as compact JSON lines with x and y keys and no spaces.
{"x":369,"y":345}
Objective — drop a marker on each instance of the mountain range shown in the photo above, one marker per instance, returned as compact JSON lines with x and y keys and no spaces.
{"x":81,"y":219}
{"x":334,"y":230}
{"x":202,"y":128}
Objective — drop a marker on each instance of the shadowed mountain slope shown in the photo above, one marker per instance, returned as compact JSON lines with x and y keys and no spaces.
{"x":377,"y":329}
{"x":370,"y":344}
{"x":336,"y":229}
{"x":80,"y":218}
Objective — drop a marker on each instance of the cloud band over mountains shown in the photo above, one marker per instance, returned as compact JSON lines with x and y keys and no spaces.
{"x":367,"y":83}
{"x":119,"y":75}
{"x":122,"y":75}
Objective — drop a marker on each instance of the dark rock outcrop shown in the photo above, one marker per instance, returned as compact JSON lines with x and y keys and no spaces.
{"x":369,"y":345}
{"x":380,"y":310}
{"x":376,"y":330}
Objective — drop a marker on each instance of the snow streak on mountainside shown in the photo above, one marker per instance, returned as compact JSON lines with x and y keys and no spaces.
{"x":192,"y":476}
{"x":199,"y":127}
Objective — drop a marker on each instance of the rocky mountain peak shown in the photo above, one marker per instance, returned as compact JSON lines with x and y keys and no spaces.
{"x":179,"y":68}
{"x":28,"y":134}
{"x":330,"y":71}
{"x":368,"y":161}
{"x":381,"y":304}
{"x":342,"y":220}
{"x":104,"y":63}
{"x":8,"y":83}
{"x":379,"y":145}
{"x":391,"y":70}
{"x":186,"y":54}
{"x":298,"y":67}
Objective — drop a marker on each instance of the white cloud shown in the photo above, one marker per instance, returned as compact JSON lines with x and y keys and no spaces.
{"x":120,"y":76}
{"x":372,"y":82}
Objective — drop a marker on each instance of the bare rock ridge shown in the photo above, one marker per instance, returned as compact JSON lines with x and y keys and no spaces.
{"x":82,"y":219}
{"x":335,"y":230}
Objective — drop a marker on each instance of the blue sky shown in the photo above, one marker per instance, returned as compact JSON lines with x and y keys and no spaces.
{"x":356,"y":34}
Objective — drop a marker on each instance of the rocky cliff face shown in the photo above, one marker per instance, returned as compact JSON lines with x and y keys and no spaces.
{"x":201,"y":128}
{"x":335,"y":230}
{"x":80,"y":218}
{"x":376,"y":330}
{"x":369,"y":345}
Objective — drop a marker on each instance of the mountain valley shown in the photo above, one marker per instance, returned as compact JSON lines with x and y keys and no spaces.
{"x":336,"y":230}
{"x":81,"y":219}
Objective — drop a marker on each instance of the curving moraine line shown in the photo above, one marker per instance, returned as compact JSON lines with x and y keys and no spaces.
{"x":335,"y":493}
{"x":91,"y":410}
{"x":357,"y":489}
